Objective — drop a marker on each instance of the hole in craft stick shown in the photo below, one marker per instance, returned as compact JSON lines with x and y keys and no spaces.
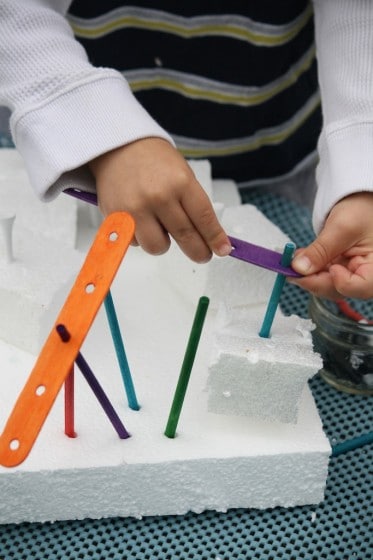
{"x":113,"y":236}
{"x":14,"y":445}
{"x":40,"y":390}
{"x":90,"y":288}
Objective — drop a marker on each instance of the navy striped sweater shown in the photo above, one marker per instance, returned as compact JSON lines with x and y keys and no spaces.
{"x":232,"y":81}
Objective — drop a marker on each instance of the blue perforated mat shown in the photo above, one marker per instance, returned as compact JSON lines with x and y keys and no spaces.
{"x":340,"y":528}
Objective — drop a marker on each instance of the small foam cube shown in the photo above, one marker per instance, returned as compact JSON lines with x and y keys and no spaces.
{"x":261,"y":377}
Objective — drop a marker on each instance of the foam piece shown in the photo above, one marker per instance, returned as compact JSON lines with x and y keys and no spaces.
{"x":32,"y":290}
{"x":215,"y":462}
{"x":225,"y":192}
{"x":34,"y":285}
{"x":261,"y":377}
{"x":56,"y":220}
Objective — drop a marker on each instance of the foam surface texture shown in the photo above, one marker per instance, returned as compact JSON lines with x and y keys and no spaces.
{"x":35,"y":283}
{"x":260,"y":377}
{"x":215,"y":462}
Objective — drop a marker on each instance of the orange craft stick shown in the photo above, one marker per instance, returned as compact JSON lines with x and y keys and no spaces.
{"x":56,"y":358}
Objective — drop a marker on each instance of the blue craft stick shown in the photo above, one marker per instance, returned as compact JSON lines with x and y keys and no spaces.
{"x":121,"y":353}
{"x":351,"y":444}
{"x":276,"y":292}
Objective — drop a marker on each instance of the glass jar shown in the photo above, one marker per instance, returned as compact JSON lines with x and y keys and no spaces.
{"x":345,"y":345}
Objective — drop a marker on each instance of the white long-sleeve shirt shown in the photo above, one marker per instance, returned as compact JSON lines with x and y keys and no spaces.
{"x":65,"y":111}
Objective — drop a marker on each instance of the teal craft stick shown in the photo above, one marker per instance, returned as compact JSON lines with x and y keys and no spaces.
{"x":121,"y":353}
{"x":274,"y":299}
{"x":190,"y":353}
{"x":350,"y":444}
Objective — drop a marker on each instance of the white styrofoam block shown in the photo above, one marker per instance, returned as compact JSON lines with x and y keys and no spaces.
{"x":32,"y":286}
{"x":227,"y":280}
{"x":202,"y":171}
{"x":225,"y":192}
{"x":260,"y":377}
{"x":215,"y":462}
{"x":56,"y":220}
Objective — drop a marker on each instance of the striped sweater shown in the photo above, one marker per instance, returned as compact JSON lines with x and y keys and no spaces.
{"x":234,"y":82}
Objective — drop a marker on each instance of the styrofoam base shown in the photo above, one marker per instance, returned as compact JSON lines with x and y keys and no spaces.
{"x":215,"y":462}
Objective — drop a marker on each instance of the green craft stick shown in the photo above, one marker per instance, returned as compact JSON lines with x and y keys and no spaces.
{"x":274,"y":299}
{"x":190,"y":353}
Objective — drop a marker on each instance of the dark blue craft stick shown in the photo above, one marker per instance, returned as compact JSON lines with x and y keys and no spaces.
{"x":276,"y":292}
{"x":121,"y":353}
{"x":96,"y":387}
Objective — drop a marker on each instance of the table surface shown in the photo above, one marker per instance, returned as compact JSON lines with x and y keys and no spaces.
{"x":340,"y":528}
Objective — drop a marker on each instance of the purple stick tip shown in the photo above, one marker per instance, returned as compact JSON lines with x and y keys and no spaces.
{"x":63,"y":332}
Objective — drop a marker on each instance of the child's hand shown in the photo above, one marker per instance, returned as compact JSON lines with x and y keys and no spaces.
{"x":340,"y":261}
{"x":150,"y":180}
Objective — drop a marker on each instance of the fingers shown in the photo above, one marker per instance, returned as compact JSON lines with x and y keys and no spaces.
{"x":358,"y":284}
{"x":347,"y":231}
{"x":181,"y":228}
{"x":152,"y":181}
{"x":150,"y":235}
{"x":202,"y":215}
{"x":193,"y":224}
{"x":318,"y":255}
{"x":339,"y":281}
{"x":320,"y":284}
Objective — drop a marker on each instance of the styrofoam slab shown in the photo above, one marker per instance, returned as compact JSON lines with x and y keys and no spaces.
{"x":215,"y":462}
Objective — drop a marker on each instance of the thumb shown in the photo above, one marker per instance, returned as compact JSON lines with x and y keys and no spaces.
{"x":320,"y":253}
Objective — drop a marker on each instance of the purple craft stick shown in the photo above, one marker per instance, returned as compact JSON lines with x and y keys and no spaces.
{"x":96,"y":387}
{"x":101,"y":397}
{"x":82,"y":195}
{"x":243,"y":250}
{"x":260,"y":256}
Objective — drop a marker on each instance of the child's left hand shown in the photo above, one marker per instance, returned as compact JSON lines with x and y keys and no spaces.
{"x":339,"y":263}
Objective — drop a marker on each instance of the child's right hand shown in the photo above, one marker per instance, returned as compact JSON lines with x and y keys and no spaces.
{"x":150,"y":180}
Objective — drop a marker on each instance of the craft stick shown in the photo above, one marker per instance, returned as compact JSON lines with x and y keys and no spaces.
{"x":276,"y":292}
{"x":91,"y":198}
{"x":186,"y":368}
{"x":121,"y":353}
{"x":101,"y":397}
{"x":69,"y":405}
{"x":351,"y":444}
{"x":56,"y":358}
{"x":95,"y":386}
